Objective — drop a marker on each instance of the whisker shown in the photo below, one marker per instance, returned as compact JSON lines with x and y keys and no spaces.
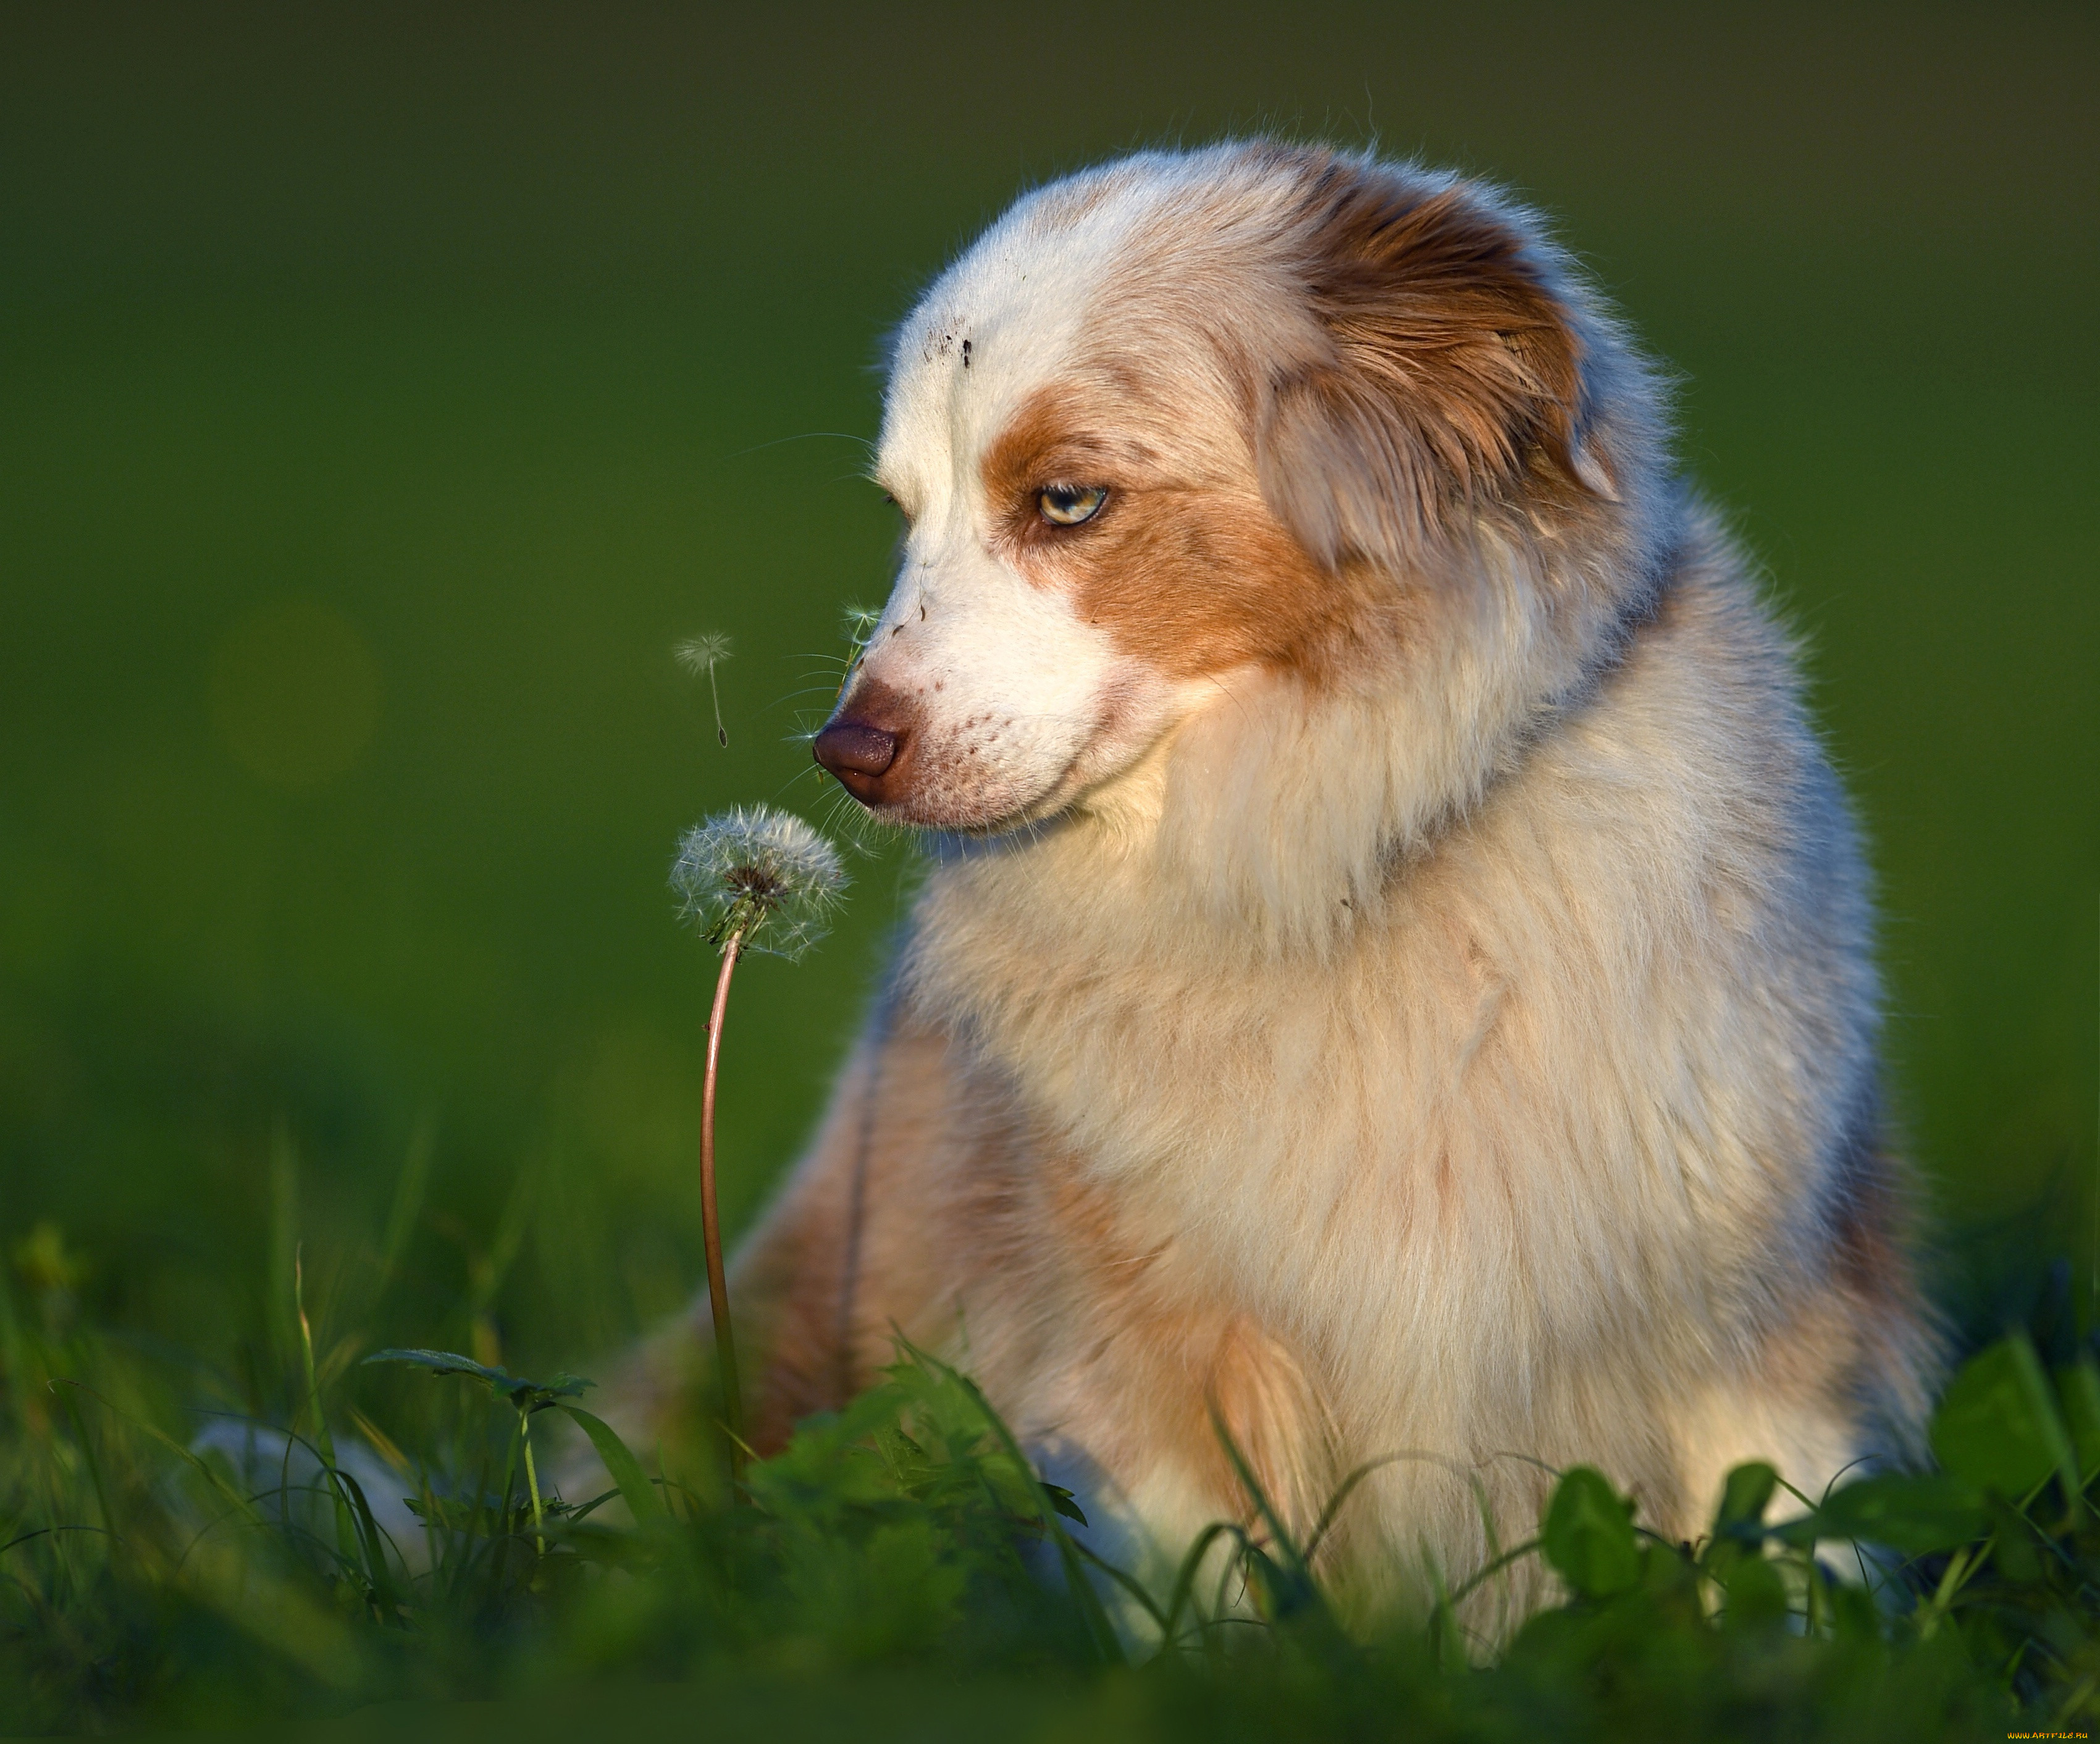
{"x":860,"y":442}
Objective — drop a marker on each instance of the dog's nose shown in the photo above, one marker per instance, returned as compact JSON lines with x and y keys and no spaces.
{"x":854,"y":747}
{"x":870,"y":743}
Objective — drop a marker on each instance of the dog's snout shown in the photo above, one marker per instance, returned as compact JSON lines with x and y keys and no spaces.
{"x":855,"y":747}
{"x":868,"y":743}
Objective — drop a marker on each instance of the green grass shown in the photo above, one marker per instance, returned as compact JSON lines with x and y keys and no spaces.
{"x":143,"y":1584}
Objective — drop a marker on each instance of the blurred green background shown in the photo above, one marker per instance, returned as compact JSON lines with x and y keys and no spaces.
{"x":384,"y":389}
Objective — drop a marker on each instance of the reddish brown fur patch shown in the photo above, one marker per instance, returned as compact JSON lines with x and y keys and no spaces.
{"x":1456,"y":375}
{"x":1264,"y":1402}
{"x":1190,"y":576}
{"x":1876,"y":1269}
{"x":1871,"y":1259}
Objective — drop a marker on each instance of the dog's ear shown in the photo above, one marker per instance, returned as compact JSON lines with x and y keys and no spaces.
{"x":1451,"y":370}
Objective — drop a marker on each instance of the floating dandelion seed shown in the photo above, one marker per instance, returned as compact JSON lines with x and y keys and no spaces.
{"x":744,"y":872}
{"x":703,"y":653}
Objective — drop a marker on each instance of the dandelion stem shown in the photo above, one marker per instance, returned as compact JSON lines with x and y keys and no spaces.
{"x":710,"y":1223}
{"x":746,"y":875}
{"x":722,"y":731}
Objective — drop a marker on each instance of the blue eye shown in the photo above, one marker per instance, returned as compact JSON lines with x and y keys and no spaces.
{"x":1068,"y":505}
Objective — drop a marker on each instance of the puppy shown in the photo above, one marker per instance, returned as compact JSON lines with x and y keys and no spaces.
{"x":1393,"y":976}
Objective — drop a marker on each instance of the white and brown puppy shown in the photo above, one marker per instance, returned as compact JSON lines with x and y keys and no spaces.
{"x":1395,"y":966}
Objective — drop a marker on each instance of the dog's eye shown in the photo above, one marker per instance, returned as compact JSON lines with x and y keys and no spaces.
{"x":1067,"y":505}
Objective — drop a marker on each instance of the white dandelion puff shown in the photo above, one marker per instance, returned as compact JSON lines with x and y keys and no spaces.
{"x":762,"y":878}
{"x":703,"y":653}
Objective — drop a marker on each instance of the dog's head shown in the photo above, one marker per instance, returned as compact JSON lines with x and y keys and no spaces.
{"x":1187,"y":428}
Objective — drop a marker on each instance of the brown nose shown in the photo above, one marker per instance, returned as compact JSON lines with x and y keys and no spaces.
{"x":854,"y":747}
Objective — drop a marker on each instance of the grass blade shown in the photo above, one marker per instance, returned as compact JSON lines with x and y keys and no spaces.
{"x":635,"y":1489}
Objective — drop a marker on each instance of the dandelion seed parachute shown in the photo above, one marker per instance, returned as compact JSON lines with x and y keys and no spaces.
{"x":760,"y":873}
{"x":700,"y":652}
{"x":703,"y":653}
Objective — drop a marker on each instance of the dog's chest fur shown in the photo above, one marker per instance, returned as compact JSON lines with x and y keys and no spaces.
{"x":1512,"y":1148}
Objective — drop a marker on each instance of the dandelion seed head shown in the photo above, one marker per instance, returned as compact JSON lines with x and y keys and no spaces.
{"x":761,"y":874}
{"x":699,"y":653}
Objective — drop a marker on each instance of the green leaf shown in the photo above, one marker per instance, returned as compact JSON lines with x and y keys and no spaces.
{"x":1743,"y":1499}
{"x":1065,"y":1502}
{"x":437,"y":1362}
{"x":2079,"y":1387}
{"x":1589,"y":1534}
{"x":523,"y":1394}
{"x":1998,"y":1427}
{"x":1855,"y":1615}
{"x":635,"y":1489}
{"x":1757,"y":1595}
{"x":1910,"y":1514}
{"x":2012,"y":1545}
